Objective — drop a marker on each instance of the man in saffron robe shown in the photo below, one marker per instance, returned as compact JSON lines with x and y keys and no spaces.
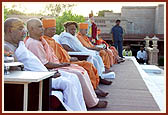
{"x":86,"y":43}
{"x":111,"y":52}
{"x":63,"y":56}
{"x":39,"y":46}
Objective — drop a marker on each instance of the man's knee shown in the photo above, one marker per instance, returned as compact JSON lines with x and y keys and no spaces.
{"x":102,"y":53}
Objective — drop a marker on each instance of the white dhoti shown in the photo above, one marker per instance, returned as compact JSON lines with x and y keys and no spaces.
{"x":89,"y":94}
{"x":72,"y":91}
{"x":96,"y":60}
{"x":68,"y":82}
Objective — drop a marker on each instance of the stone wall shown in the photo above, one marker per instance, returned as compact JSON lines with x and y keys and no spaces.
{"x":134,"y":20}
{"x":141,"y":20}
{"x":159,"y":19}
{"x":108,"y":21}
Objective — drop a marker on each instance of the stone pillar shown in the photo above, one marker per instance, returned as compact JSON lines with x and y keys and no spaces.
{"x":155,"y":51}
{"x":152,"y":52}
{"x":147,"y":39}
{"x":154,"y":40}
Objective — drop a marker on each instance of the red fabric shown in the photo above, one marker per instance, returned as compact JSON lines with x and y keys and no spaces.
{"x":94,"y":30}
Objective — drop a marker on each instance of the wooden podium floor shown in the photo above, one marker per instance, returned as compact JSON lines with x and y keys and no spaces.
{"x":128,"y":92}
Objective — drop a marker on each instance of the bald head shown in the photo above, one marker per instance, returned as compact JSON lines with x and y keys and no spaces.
{"x":12,"y":23}
{"x":14,"y":30}
{"x":32,"y":23}
{"x":34,"y":27}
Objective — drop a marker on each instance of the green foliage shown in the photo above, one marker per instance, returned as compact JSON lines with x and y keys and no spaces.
{"x":5,"y":13}
{"x":56,"y":9}
{"x":101,"y":13}
{"x":53,"y":9}
{"x":67,"y":16}
{"x":15,"y":12}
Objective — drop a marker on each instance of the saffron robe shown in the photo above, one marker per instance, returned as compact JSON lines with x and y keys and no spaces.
{"x":104,"y":54}
{"x":45,"y":53}
{"x":63,"y":56}
{"x":67,"y":39}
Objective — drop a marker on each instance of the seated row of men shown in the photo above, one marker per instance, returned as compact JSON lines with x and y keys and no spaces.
{"x":42,"y":51}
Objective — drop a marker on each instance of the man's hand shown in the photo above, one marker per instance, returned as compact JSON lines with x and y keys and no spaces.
{"x":51,"y":65}
{"x":65,"y":64}
{"x":98,"y":49}
{"x":56,"y":75}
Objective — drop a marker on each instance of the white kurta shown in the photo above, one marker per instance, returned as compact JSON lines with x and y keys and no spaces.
{"x":56,"y":38}
{"x":75,"y":44}
{"x":68,"y":82}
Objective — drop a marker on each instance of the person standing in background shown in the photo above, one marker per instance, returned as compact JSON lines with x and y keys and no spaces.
{"x":92,"y":29}
{"x":117,"y":32}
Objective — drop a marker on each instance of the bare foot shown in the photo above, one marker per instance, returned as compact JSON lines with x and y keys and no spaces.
{"x":102,"y":104}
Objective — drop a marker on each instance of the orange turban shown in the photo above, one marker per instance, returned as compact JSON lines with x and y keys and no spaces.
{"x":83,"y":26}
{"x":48,"y":23}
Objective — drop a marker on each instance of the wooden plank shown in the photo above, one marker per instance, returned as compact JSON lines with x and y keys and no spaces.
{"x":128,"y":91}
{"x":27,"y":76}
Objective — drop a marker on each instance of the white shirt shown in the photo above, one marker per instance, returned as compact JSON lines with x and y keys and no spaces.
{"x":30,"y":61}
{"x":74,"y":43}
{"x":56,"y":38}
{"x":142,"y":55}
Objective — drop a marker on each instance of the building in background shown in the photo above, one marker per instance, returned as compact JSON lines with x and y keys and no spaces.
{"x":134,"y":20}
{"x":137,"y":22}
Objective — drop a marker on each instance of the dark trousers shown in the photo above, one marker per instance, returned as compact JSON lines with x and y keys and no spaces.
{"x":141,"y":61}
{"x":119,"y":46}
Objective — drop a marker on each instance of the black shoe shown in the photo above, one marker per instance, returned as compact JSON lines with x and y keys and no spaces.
{"x":101,"y":93}
{"x":105,"y":82}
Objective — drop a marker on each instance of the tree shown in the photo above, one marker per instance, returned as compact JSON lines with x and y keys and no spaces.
{"x":101,"y":13}
{"x":56,"y":9}
{"x":67,"y":16}
{"x":5,"y":13}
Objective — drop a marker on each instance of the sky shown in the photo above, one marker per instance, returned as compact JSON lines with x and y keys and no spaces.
{"x":81,"y":8}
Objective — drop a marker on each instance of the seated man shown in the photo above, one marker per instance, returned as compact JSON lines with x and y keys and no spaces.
{"x":127,"y":51}
{"x":141,"y":55}
{"x":38,"y":46}
{"x":71,"y":29}
{"x":62,"y":54}
{"x":114,"y":53}
{"x":86,"y":43}
{"x":14,"y":34}
{"x":72,"y":44}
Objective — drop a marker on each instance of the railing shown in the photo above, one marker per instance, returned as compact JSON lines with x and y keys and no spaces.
{"x":133,"y":37}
